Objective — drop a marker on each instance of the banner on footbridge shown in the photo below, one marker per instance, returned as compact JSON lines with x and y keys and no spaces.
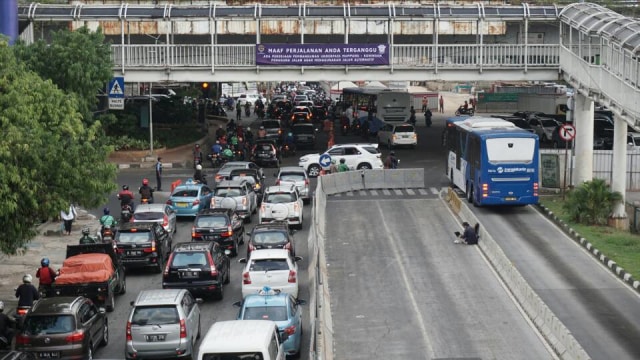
{"x":322,"y":54}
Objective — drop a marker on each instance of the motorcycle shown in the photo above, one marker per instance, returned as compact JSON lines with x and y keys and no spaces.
{"x":239,"y":155}
{"x":216,"y":160}
{"x":247,"y":111}
{"x":345,"y":129}
{"x":462,"y":111}
{"x":260,"y":113}
{"x":126,"y":213}
{"x":107,"y":234}
{"x":287,"y":150}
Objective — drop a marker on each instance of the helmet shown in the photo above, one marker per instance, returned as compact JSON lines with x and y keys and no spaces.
{"x":27,"y":278}
{"x":198,"y":167}
{"x":125,"y":187}
{"x":1,"y":306}
{"x":145,"y":181}
{"x":105,"y":211}
{"x":290,"y":133}
{"x":85,"y":230}
{"x":261,"y":127}
{"x":342,"y":161}
{"x":333,"y":161}
{"x":197,"y":145}
{"x":248,"y":129}
{"x":218,"y":142}
{"x":44,"y":262}
{"x":392,"y":153}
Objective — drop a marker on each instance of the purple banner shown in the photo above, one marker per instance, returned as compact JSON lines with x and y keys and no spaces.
{"x":322,"y":54}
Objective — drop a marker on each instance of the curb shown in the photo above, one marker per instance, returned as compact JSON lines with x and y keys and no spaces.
{"x":612,"y":265}
{"x":150,"y":165}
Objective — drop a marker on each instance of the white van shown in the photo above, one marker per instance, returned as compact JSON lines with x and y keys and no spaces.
{"x":242,"y":339}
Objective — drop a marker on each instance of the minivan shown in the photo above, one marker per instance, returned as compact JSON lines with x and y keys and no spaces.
{"x":163,"y":323}
{"x":243,"y":339}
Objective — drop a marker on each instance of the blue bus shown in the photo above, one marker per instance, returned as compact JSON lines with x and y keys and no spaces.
{"x":492,"y":161}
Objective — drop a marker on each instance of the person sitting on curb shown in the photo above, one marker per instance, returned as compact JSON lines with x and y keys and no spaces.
{"x":469,"y":235}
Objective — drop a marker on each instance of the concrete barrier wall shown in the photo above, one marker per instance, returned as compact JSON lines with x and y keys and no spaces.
{"x":372,"y":179}
{"x":556,"y":333}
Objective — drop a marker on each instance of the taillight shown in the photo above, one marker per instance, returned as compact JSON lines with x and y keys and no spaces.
{"x":76,"y":337}
{"x":165,"y":220}
{"x":277,"y":182}
{"x":193,"y":232}
{"x":306,"y":182}
{"x":128,"y":331}
{"x":535,"y":189}
{"x":290,"y":330}
{"x":214,"y":271}
{"x":196,"y":202}
{"x":292,"y":276}
{"x":22,"y":311}
{"x":150,"y":249}
{"x":169,"y":202}
{"x":287,"y":246}
{"x":485,"y":190}
{"x":246,"y":278}
{"x":227,"y":233}
{"x":251,"y":247}
{"x":296,"y":207}
{"x":213,"y":203}
{"x":244,"y":201}
{"x":22,"y":340}
{"x":183,"y":329}
{"x":166,"y":268}
{"x":263,"y":207}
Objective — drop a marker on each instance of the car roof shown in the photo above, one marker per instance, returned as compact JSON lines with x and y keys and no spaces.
{"x":230,"y":183}
{"x":150,"y":208}
{"x":194,"y":246}
{"x":159,"y":297}
{"x":269,"y":254}
{"x":215,"y":211}
{"x":238,"y":335}
{"x":189,"y":185}
{"x":273,"y":224}
{"x":266,"y":300}
{"x":56,"y":305}
{"x":292,"y":169}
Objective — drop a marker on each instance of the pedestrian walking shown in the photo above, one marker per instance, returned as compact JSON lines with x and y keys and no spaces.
{"x":441,"y":104}
{"x":67,"y":219}
{"x":159,"y":174}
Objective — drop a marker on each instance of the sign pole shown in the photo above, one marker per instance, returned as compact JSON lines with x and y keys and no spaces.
{"x":150,"y":120}
{"x":566,"y":164}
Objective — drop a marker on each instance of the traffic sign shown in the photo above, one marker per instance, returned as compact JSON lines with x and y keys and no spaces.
{"x":325,"y":160}
{"x":116,"y":93}
{"x":567,"y":132}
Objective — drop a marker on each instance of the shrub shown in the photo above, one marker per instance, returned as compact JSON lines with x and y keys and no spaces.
{"x":591,"y":202}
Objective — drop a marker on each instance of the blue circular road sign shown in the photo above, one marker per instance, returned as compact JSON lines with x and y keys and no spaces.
{"x":325,"y":160}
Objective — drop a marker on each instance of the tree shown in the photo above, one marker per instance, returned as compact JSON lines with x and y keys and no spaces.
{"x":78,"y":62}
{"x":48,"y":155}
{"x":591,"y":202}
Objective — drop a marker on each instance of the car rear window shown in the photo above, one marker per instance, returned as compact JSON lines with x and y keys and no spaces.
{"x":270,"y":124}
{"x":404,"y":128}
{"x":303,"y":130}
{"x":269,"y":238}
{"x":279,"y":198}
{"x":234,"y":356}
{"x":49,"y":324}
{"x":264,"y":147}
{"x":155,"y":315}
{"x":133,"y":237}
{"x":181,"y":259}
{"x":148,"y":215}
{"x":248,"y":178}
{"x":211,"y":221}
{"x":268,"y":265}
{"x":228,"y":192}
{"x":185,"y":193}
{"x":371,"y":149}
{"x":273,"y":313}
{"x":292,"y":177}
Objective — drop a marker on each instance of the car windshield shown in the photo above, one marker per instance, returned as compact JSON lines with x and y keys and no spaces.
{"x":48,"y":324}
{"x":291,"y":177}
{"x":148,"y":216}
{"x":234,"y":356}
{"x":268,"y":265}
{"x":269,"y":238}
{"x":211,"y":221}
{"x":182,"y":259}
{"x":228,"y":192}
{"x":270,"y":124}
{"x":549,"y":123}
{"x":185,"y":193}
{"x":279,"y":198}
{"x":133,"y":237}
{"x":273,"y":313}
{"x":155,"y":315}
{"x":303,"y":130}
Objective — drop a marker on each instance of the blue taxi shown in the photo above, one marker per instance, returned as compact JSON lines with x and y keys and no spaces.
{"x":189,"y":198}
{"x":284,"y":309}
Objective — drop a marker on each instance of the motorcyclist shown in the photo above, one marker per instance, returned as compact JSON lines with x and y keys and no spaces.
{"x":27,"y":293}
{"x":234,"y":141}
{"x":248,"y":135}
{"x":86,"y":238}
{"x":197,"y":175}
{"x":146,"y":192}
{"x":392,"y":161}
{"x":262,"y":133}
{"x":290,"y":141}
{"x":427,"y":117}
{"x":466,"y":105}
{"x":238,"y":113}
{"x":6,"y":325}
{"x":126,"y":197}
{"x":46,"y":275}
{"x":247,"y":108}
{"x":107,"y":220}
{"x":343,"y":166}
{"x":197,"y":154}
{"x":227,"y":154}
{"x":412,"y":117}
{"x":216,"y":148}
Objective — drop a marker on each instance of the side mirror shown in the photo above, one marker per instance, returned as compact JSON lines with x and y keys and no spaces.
{"x":248,"y":233}
{"x":199,"y":300}
{"x":132,"y":302}
{"x":242,"y":261}
{"x":301,"y":302}
{"x":237,"y":303}
{"x":298,"y":258}
{"x":102,"y":310}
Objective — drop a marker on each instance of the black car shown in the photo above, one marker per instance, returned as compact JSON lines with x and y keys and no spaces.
{"x":202,"y":268}
{"x":320,"y":113}
{"x":299,"y":118}
{"x":251,"y":175}
{"x":304,"y":135}
{"x":272,"y":235}
{"x":265,"y":153}
{"x":221,"y":225}
{"x":143,"y":245}
{"x":273,"y":129}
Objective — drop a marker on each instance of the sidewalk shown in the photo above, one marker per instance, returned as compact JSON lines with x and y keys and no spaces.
{"x":49,"y":242}
{"x":179,"y":157}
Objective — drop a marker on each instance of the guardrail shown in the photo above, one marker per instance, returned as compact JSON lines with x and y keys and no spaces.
{"x":173,"y":56}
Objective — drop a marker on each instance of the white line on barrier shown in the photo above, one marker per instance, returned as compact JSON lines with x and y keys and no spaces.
{"x":374,"y":192}
{"x":386,"y":192}
{"x":397,"y":191}
{"x":434,"y":191}
{"x":350,"y":193}
{"x":410,"y":192}
{"x":423,"y":191}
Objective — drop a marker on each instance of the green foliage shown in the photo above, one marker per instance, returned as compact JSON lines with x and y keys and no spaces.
{"x":591,"y":202}
{"x":78,"y":62}
{"x":48,"y":156}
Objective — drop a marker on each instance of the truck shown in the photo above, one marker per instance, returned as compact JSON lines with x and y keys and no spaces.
{"x":93,"y":271}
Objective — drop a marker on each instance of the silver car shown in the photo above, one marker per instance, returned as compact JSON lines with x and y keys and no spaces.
{"x":297,"y":176}
{"x":225,"y":170}
{"x":237,"y":195}
{"x":163,"y":324}
{"x":160,"y":213}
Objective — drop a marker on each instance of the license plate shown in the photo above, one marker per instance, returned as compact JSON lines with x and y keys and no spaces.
{"x":153,"y":338}
{"x":49,"y":355}
{"x":211,"y":237}
{"x":189,"y":274}
{"x":263,"y":155}
{"x":134,"y":253}
{"x":181,"y":204}
{"x":510,"y":198}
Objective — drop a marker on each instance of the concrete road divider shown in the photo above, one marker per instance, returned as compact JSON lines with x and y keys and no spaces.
{"x":413,"y":178}
{"x":555,"y":332}
{"x":356,"y":179}
{"x":374,"y":179}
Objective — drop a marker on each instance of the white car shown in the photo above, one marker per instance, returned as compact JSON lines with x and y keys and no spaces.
{"x":393,"y":135}
{"x":275,"y":268}
{"x":282,"y":203}
{"x":237,"y":195}
{"x":544,"y":127}
{"x":297,"y":176}
{"x":251,"y":98}
{"x":357,"y":157}
{"x":160,"y":213}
